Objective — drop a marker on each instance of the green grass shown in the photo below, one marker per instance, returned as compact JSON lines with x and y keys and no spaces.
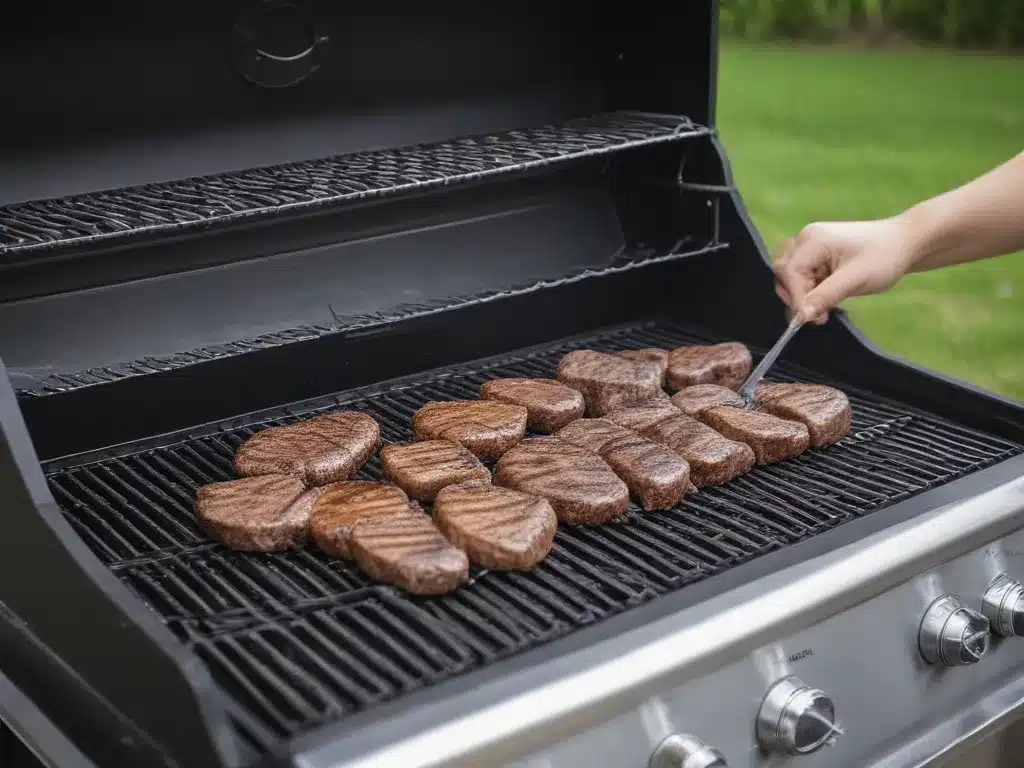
{"x":838,"y":133}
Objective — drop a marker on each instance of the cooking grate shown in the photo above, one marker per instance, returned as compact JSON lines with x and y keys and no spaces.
{"x":295,"y":187}
{"x":295,"y":639}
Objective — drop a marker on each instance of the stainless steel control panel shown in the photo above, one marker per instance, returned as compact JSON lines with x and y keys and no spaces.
{"x":868,"y":686}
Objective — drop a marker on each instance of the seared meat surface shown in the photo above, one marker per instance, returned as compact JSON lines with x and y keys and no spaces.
{"x":580,"y":485}
{"x":713,"y":458}
{"x":423,"y":468}
{"x":487,"y":428}
{"x":550,"y":405}
{"x":609,"y":382}
{"x":658,"y":357}
{"x":824,"y":410}
{"x":320,"y":450}
{"x":496,"y":527}
{"x":772,"y":439}
{"x":269,"y":513}
{"x":340,"y":507}
{"x":727,"y":364}
{"x":409,"y":552}
{"x":656,"y":477}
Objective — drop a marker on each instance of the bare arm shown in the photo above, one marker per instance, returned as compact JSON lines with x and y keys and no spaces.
{"x":983,"y":218}
{"x":832,"y":261}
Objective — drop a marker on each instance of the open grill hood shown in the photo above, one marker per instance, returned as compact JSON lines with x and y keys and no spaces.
{"x":449,"y":196}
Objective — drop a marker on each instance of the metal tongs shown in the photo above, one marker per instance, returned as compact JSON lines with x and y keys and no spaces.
{"x":747,"y":390}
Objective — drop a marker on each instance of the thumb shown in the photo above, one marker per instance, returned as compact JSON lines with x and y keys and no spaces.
{"x":827,"y":295}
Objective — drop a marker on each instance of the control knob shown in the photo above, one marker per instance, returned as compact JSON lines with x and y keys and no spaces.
{"x":795,"y":718}
{"x":952,"y":634}
{"x":680,"y":750}
{"x":1003,"y":606}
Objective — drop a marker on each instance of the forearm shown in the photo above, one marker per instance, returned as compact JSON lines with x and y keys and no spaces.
{"x":982,"y":219}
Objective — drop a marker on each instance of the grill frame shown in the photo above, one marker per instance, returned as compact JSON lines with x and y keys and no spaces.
{"x":119,"y":481}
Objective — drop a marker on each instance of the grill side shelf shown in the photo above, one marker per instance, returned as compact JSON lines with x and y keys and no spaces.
{"x":286,"y":635}
{"x":261,"y":193}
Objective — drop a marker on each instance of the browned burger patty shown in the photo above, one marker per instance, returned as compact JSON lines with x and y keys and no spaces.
{"x":640,"y":417}
{"x":550,"y":405}
{"x":609,"y":382}
{"x":727,"y":364}
{"x":340,"y":507}
{"x":256,"y":514}
{"x":658,"y":357}
{"x":486,"y":428}
{"x":713,"y":458}
{"x":824,"y":410}
{"x":409,"y":552}
{"x":581,"y":487}
{"x":656,"y":477}
{"x":321,"y":450}
{"x":496,"y":527}
{"x":696,"y":399}
{"x":773,"y":439}
{"x":424,"y":468}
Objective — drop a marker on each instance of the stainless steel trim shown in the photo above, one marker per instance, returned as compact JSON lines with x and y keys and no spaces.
{"x":955,"y":736}
{"x":700,"y":639}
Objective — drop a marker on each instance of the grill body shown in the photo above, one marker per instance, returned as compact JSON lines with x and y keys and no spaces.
{"x":482,"y":200}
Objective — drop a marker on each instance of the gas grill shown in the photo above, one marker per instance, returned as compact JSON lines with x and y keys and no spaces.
{"x":308,"y":208}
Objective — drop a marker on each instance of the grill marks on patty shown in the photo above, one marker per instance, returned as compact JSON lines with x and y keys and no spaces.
{"x":771,"y":438}
{"x":580,"y":485}
{"x":656,"y":477}
{"x":424,"y":468}
{"x":824,"y":410}
{"x":320,"y":450}
{"x":727,"y":364}
{"x":647,"y":445}
{"x":339,"y":508}
{"x":496,"y":527}
{"x":550,"y":405}
{"x":256,"y":514}
{"x":486,"y":428}
{"x":410,"y":552}
{"x":609,"y":381}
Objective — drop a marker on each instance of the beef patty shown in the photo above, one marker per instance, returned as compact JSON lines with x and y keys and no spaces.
{"x":269,"y":513}
{"x":409,"y":552}
{"x":580,"y":485}
{"x":656,"y":477}
{"x":696,"y":399}
{"x":424,"y":468}
{"x":713,"y":458}
{"x":487,"y":428}
{"x":609,"y":382}
{"x":640,"y":417}
{"x":824,"y":410}
{"x":341,"y":506}
{"x":658,"y":357}
{"x":320,"y":450}
{"x":550,"y":405}
{"x":727,"y":364}
{"x":496,"y":527}
{"x":773,"y":439}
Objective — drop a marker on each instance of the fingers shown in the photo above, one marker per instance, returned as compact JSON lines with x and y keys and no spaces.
{"x":841,"y":284}
{"x":799,"y":269}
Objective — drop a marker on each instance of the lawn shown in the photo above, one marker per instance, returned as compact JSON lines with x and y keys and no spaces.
{"x":818,"y":134}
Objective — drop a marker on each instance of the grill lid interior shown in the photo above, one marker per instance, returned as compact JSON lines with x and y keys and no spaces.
{"x":205,"y":199}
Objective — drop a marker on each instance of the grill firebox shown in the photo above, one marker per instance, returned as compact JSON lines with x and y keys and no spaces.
{"x":295,"y":640}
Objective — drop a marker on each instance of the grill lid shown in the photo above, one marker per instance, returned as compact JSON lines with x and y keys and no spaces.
{"x":215,"y":191}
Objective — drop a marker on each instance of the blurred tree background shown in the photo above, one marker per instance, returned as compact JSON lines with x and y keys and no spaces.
{"x":991,"y":24}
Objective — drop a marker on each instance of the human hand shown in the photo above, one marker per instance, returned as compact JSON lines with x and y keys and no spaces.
{"x":832,"y":261}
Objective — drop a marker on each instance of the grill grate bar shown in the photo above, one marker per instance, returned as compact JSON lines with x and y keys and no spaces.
{"x":194,"y":203}
{"x":296,"y":639}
